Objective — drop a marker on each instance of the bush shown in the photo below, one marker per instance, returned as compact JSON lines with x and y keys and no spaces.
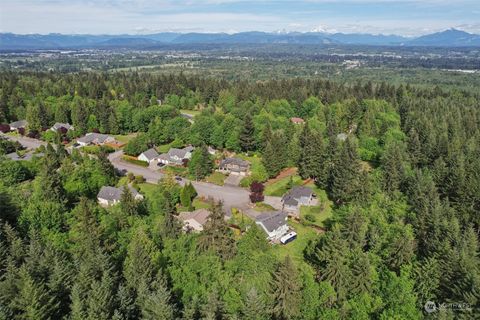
{"x":135,"y":161}
{"x":310,"y":217}
{"x":139,"y":179}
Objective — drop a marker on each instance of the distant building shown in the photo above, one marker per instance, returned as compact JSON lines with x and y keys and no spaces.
{"x":296,"y":197}
{"x":176,"y":156}
{"x":108,"y":196}
{"x":57,"y":126}
{"x":274,"y":223}
{"x":297,"y":120}
{"x":234,"y":166}
{"x":149,"y":156}
{"x":96,"y":139}
{"x":20,"y":124}
{"x":195,"y":220}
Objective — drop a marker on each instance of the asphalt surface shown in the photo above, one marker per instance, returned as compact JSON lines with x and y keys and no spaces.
{"x":232,"y":196}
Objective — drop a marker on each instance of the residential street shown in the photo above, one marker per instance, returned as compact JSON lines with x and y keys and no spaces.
{"x":230,"y":195}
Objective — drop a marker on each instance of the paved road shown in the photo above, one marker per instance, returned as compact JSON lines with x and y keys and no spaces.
{"x":28,"y":143}
{"x":149,"y":175}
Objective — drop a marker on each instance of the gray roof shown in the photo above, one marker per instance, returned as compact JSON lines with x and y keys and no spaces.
{"x":272,"y":220}
{"x":180,"y":153}
{"x":342,"y":136}
{"x":90,"y":137}
{"x":112,"y":193}
{"x":293,"y":195}
{"x":150,"y":154}
{"x":234,"y":161}
{"x":19,"y":124}
{"x":59,"y":125}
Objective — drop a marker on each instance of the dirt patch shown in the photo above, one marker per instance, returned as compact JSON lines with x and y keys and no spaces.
{"x":283,"y":174}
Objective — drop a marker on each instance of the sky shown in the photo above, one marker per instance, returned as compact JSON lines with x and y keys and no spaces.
{"x":408,"y":18}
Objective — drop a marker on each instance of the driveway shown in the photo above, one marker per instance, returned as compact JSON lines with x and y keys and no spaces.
{"x":28,"y":143}
{"x":275,"y":202}
{"x":233,"y":180}
{"x":150,"y":176}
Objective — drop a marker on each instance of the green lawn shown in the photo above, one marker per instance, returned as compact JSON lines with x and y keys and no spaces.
{"x":295,"y":248}
{"x":163,"y":148}
{"x":190,"y":112}
{"x":279,"y":188}
{"x":216,"y":178}
{"x":261,"y":207}
{"x":124,"y":138}
{"x":197,"y":204}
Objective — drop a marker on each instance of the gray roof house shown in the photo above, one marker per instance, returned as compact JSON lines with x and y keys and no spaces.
{"x":234,"y":166}
{"x":149,"y":155}
{"x":176,"y":156}
{"x":18,"y":124}
{"x":195,"y":220}
{"x":296,"y":197}
{"x":108,"y":196}
{"x":59,"y":125}
{"x":274,"y":223}
{"x":95,"y":138}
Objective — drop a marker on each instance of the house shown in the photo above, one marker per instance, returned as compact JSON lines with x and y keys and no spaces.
{"x":20,"y":124}
{"x":296,"y":120}
{"x":235,"y":166}
{"x":296,"y":197}
{"x":58,"y":126}
{"x":176,"y":156}
{"x":149,"y":155}
{"x":195,"y":220}
{"x":108,"y":196}
{"x":274,"y":223}
{"x":95,"y":138}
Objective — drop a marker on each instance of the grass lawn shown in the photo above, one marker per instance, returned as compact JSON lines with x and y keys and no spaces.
{"x":261,"y":207}
{"x":197,"y":204}
{"x":124,"y":138}
{"x":177,"y":171}
{"x":163,"y":148}
{"x":190,"y":112}
{"x":295,"y":248}
{"x":216,"y":178}
{"x":148,"y":189}
{"x":279,"y":188}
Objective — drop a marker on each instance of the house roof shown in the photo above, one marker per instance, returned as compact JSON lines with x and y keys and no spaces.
{"x":200,"y":216}
{"x":342,"y":136}
{"x":90,"y":137}
{"x":293,"y":195}
{"x":234,"y":161}
{"x":272,"y":220}
{"x":114,"y":194}
{"x":59,"y":125}
{"x":297,"y":120}
{"x":19,"y":124}
{"x":150,"y":154}
{"x":180,"y":153}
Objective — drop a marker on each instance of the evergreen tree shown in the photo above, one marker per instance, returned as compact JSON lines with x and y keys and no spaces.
{"x":286,"y":291}
{"x":201,"y":164}
{"x":345,"y":174}
{"x":254,"y":306}
{"x":247,"y":138}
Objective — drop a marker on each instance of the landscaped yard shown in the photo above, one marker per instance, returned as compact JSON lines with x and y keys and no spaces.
{"x":295,"y":248}
{"x":177,"y":171}
{"x":216,"y":178}
{"x":261,"y":207}
{"x":124,"y":138}
{"x":163,"y":148}
{"x":134,"y":161}
{"x":197,"y":204}
{"x":279,"y":188}
{"x":190,"y":112}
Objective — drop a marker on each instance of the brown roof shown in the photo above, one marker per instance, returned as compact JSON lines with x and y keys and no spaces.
{"x":200,"y":215}
{"x":297,"y":120}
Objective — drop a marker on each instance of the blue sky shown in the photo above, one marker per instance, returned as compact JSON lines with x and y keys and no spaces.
{"x":411,"y":17}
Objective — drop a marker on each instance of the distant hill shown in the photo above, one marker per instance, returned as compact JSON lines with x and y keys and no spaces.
{"x":448,"y":38}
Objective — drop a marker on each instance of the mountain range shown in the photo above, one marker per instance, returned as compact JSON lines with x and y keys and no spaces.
{"x":447,"y":38}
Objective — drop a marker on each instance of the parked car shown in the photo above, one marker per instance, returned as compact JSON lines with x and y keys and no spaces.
{"x":160,"y":164}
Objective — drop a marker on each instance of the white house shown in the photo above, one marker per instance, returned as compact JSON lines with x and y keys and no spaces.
{"x":297,"y":197}
{"x":95,"y":138}
{"x":176,"y":156}
{"x":59,"y":125}
{"x":108,"y":196}
{"x":274,"y":223}
{"x":149,"y":156}
{"x":20,"y":124}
